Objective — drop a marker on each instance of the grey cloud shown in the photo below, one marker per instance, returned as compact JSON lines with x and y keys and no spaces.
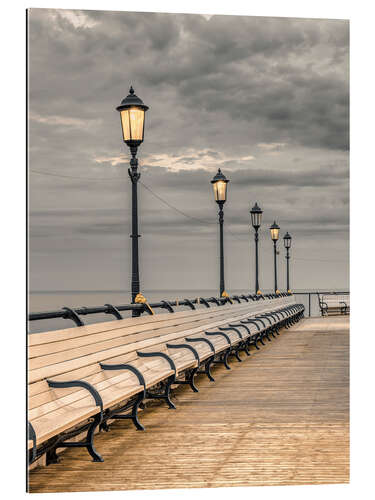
{"x":243,"y":178}
{"x":216,"y":89}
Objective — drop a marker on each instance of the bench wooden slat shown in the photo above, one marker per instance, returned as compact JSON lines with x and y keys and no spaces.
{"x":122,"y":339}
{"x":121,"y":330}
{"x":48,"y":370}
{"x":74,"y":332}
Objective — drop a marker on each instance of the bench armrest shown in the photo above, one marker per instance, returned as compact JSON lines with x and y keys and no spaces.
{"x":204,"y":301}
{"x":284,"y":311}
{"x":201,"y":339}
{"x":79,"y":383}
{"x":221,"y":334}
{"x":237,"y":325}
{"x":253,"y":321}
{"x":32,"y":436}
{"x":160,"y":355}
{"x":214,"y":299}
{"x":344,"y":307}
{"x":189,"y":303}
{"x":272,"y":315}
{"x":231,"y":328}
{"x":276,"y":314}
{"x":166,"y":305}
{"x":264,"y":317}
{"x":281,"y":312}
{"x":185,"y":346}
{"x":124,"y":366}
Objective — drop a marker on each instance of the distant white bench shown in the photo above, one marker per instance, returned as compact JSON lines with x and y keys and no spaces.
{"x":333,"y":303}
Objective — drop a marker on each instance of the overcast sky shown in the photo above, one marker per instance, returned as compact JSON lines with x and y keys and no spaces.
{"x":264,"y":99}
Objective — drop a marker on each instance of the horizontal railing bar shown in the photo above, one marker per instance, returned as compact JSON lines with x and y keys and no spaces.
{"x":321,"y":292}
{"x":61,"y":313}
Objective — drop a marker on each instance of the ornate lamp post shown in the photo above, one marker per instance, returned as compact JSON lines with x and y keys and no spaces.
{"x":274,"y":229}
{"x":132,"y":114}
{"x":219,"y":184}
{"x":256,"y":219}
{"x":287,"y":245}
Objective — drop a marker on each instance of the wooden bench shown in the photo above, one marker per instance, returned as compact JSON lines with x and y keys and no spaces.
{"x":334,"y":304}
{"x":80,"y":378}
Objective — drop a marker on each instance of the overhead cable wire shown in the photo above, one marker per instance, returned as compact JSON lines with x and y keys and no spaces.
{"x":175,"y":208}
{"x":240,"y":238}
{"x":74,"y":177}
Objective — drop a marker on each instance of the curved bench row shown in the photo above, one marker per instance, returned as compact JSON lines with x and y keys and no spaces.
{"x":81,"y":378}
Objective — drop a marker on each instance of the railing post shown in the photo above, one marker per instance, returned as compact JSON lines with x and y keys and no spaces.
{"x":309,"y":305}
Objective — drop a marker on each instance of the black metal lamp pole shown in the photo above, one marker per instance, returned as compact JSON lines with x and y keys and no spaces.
{"x":275,"y":236}
{"x":219,"y":184}
{"x":256,"y":219}
{"x":132,"y":113}
{"x":134,"y":177}
{"x":221,"y":225}
{"x":287,"y":245}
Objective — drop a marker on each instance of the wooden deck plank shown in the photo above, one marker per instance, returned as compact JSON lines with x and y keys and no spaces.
{"x":279,"y":418}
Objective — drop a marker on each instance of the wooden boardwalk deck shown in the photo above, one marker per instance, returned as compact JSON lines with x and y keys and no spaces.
{"x":279,"y":418}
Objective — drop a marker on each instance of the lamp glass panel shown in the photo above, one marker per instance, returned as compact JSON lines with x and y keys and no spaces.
{"x":256,"y":218}
{"x":287,"y":242}
{"x":132,"y":121}
{"x":275,"y":234}
{"x":220,"y":190}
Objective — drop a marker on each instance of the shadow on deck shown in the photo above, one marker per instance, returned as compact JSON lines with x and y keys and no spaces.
{"x":281,"y":417}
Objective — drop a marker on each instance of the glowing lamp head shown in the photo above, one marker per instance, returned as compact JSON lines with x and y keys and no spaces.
{"x":274,"y":229}
{"x":132,"y":113}
{"x":256,"y":216}
{"x":287,"y":240}
{"x":219,"y":184}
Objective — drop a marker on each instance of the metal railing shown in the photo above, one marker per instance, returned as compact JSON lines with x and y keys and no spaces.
{"x":75,"y":314}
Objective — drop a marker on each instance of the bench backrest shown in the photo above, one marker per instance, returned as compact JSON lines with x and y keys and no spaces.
{"x":335,"y":300}
{"x":58,"y":352}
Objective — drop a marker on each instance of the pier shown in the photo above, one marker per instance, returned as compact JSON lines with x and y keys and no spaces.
{"x":281,"y":417}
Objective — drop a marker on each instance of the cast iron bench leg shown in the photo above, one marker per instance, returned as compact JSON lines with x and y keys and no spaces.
{"x":245,"y":348}
{"x":88,"y":444}
{"x":189,"y":379}
{"x":166,"y":395}
{"x":223,"y":358}
{"x":133,"y":415}
{"x":207,"y":369}
{"x":236,"y":353}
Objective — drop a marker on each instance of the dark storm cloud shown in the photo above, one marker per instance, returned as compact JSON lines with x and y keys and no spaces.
{"x":264,"y":99}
